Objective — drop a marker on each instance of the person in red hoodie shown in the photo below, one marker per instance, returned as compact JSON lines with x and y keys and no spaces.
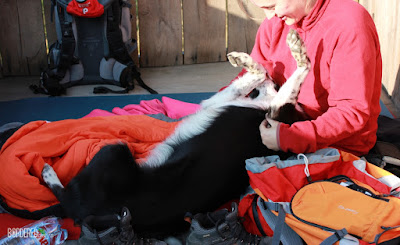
{"x":341,"y":93}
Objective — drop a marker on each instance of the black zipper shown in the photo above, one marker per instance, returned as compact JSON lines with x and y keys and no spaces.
{"x":355,"y":187}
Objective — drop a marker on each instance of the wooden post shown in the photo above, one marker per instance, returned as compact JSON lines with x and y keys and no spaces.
{"x":22,"y":42}
{"x":160,"y":33}
{"x":204,"y":23}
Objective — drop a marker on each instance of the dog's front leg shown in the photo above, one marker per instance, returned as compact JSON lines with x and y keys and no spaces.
{"x":243,"y":85}
{"x":53,"y":182}
{"x":289,"y":91}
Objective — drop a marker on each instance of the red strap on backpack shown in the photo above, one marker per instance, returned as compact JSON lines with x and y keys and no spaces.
{"x":85,"y":8}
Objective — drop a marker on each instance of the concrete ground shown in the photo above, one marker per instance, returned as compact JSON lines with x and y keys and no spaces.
{"x":208,"y":77}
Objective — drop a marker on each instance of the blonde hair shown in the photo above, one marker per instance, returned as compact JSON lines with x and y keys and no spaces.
{"x":244,"y":9}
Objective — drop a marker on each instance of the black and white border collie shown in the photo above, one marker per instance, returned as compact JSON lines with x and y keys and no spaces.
{"x":200,"y":167}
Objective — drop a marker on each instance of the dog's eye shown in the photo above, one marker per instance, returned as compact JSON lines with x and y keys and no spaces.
{"x":254,"y":94}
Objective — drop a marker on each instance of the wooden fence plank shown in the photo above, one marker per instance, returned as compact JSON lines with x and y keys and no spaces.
{"x":386,"y":14}
{"x":160,"y":32}
{"x":204,"y":23}
{"x":386,"y":22}
{"x":10,"y":39}
{"x":33,"y":44}
{"x":243,"y":23}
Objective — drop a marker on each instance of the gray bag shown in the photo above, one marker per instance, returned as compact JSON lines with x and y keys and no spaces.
{"x":93,"y":47}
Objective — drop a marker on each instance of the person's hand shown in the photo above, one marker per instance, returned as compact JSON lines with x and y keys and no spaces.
{"x":268,"y":131}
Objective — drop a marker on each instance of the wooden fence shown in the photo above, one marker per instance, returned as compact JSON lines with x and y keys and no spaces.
{"x":171,"y":32}
{"x":386,"y":14}
{"x":176,"y":32}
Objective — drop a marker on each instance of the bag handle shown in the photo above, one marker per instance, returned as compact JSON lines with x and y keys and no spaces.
{"x":105,"y":3}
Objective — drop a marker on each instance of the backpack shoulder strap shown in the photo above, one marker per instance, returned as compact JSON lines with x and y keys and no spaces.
{"x":50,"y":78}
{"x":282,"y":231}
{"x":256,"y":216}
{"x":118,"y":50}
{"x":67,"y":44}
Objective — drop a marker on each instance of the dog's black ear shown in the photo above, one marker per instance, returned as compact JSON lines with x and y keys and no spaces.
{"x":118,"y":153}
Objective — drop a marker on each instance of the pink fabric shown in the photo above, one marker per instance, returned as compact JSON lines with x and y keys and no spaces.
{"x":172,"y":108}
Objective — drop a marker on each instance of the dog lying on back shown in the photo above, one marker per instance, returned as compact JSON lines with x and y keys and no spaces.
{"x":200,"y":167}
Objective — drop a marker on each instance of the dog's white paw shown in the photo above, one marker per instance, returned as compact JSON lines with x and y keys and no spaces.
{"x":240,"y":59}
{"x":297,"y":48}
{"x":50,"y":176}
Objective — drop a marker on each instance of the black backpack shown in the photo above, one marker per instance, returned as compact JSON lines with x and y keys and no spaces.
{"x":93,"y":47}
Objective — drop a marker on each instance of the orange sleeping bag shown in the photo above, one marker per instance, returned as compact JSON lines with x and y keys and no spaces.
{"x":68,"y":146}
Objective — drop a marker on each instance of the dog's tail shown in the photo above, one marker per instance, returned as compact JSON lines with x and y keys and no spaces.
{"x":53,"y":182}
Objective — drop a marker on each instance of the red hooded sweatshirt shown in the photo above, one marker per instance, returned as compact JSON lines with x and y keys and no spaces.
{"x":341,"y":92}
